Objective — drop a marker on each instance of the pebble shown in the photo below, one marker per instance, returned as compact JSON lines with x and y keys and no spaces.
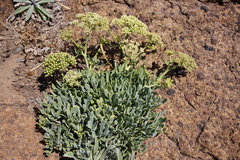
{"x":200,"y":76}
{"x":203,"y":121}
{"x":181,"y":38}
{"x":20,"y":60}
{"x":180,"y":124}
{"x":18,"y":49}
{"x":170,"y":91}
{"x":2,"y":9}
{"x":199,"y":126}
{"x":238,"y":109}
{"x":214,"y":41}
{"x":205,"y":8}
{"x":151,"y":143}
{"x":30,"y":108}
{"x":209,"y":48}
{"x":34,"y":154}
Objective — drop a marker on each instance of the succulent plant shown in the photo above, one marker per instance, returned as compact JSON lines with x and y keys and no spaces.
{"x":33,"y":6}
{"x":106,"y":115}
{"x":109,"y":115}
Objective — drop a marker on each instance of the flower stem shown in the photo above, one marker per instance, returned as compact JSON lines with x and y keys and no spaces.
{"x":85,"y":51}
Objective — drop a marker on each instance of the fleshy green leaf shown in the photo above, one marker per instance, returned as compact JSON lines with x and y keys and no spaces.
{"x":99,"y":155}
{"x":41,"y":14}
{"x":21,"y":9}
{"x":119,"y":154}
{"x":29,"y":13}
{"x":44,"y":11}
{"x":45,"y":1}
{"x":70,"y":155}
{"x":96,"y":146}
{"x":22,"y":1}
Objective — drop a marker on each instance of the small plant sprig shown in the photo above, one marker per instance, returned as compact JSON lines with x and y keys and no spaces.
{"x":33,"y":6}
{"x":176,"y":60}
{"x":131,"y":25}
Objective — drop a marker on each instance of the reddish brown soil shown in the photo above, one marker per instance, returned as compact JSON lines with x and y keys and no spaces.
{"x":203,"y":110}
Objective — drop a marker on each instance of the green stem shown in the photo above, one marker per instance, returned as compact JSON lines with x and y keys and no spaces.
{"x":114,"y":37}
{"x":164,"y":73}
{"x":85,"y":51}
{"x":168,"y":69}
{"x":75,"y":43}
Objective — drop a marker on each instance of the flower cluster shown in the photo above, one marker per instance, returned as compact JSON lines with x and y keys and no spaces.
{"x":72,"y":78}
{"x":66,"y":34}
{"x":168,"y":82}
{"x":130,"y":24}
{"x":58,"y":61}
{"x":153,"y":40}
{"x":184,"y":60}
{"x":92,"y":22}
{"x":131,"y":49}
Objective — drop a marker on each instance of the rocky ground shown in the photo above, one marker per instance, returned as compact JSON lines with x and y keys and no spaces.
{"x":203,"y":110}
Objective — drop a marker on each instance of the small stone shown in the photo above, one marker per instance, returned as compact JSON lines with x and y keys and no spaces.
{"x":34,"y":154}
{"x":20,"y":60}
{"x":199,"y":126}
{"x":2,"y":9}
{"x":180,"y":124}
{"x":151,"y":143}
{"x":181,"y":38}
{"x":11,"y":121}
{"x":203,"y":121}
{"x":85,"y":9}
{"x":238,"y":109}
{"x":205,"y":8}
{"x":170,"y":91}
{"x":214,"y":41}
{"x":191,"y":142}
{"x":188,"y":97}
{"x":30,"y":108}
{"x":15,"y":116}
{"x":200,"y":76}
{"x":209,"y":48}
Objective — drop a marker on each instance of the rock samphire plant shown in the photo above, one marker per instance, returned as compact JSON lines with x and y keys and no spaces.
{"x":93,"y":114}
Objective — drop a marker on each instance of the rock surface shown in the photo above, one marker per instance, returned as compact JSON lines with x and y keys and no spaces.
{"x":203,"y":111}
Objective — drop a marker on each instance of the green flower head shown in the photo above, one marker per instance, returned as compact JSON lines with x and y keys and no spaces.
{"x":153,"y":40}
{"x":186,"y":61}
{"x":72,"y":77}
{"x":66,"y":34}
{"x":132,"y":50}
{"x":92,"y":22}
{"x":130,"y":24}
{"x":58,"y":61}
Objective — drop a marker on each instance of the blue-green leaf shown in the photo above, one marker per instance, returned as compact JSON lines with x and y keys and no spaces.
{"x":45,"y":1}
{"x":21,"y":9}
{"x":22,"y":1}
{"x":44,"y":11}
{"x":90,"y":122}
{"x":29,"y":13}
{"x":96,"y":146}
{"x":119,"y":154}
{"x":70,"y":155}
